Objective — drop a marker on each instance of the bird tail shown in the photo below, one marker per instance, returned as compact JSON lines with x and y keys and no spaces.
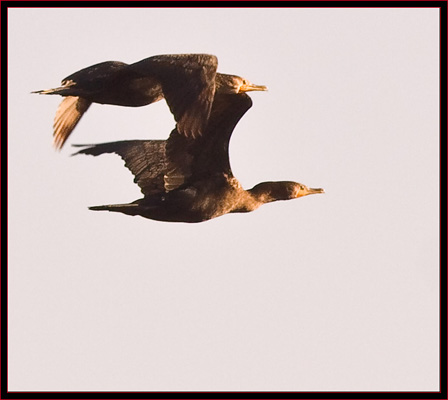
{"x":58,"y":90}
{"x":129,"y":209}
{"x":67,"y":89}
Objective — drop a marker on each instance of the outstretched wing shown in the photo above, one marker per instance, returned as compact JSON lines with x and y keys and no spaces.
{"x":188,"y":85}
{"x":68,"y":114}
{"x":146,"y":160}
{"x":206,"y":156}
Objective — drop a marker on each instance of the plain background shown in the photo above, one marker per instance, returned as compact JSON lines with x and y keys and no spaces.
{"x":325,"y":293}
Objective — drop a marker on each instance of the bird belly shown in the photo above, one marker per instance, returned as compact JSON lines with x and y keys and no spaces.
{"x":229,"y":198}
{"x":197,"y":204}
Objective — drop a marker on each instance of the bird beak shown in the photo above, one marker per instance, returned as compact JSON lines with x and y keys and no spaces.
{"x":250,"y":87}
{"x":315,"y":191}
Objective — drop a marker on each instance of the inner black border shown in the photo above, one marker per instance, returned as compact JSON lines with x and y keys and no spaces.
{"x":441,"y":394}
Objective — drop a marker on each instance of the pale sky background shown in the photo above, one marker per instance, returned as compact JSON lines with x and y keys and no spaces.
{"x":334,"y":292}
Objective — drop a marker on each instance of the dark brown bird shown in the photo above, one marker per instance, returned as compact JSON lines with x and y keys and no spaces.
{"x":187,"y":82}
{"x":186,"y":179}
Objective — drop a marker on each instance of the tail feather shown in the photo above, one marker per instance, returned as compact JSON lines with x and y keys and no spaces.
{"x":99,"y":208}
{"x":58,"y":90}
{"x":63,"y":90}
{"x":130,"y":209}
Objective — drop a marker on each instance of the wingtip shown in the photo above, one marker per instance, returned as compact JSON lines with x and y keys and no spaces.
{"x":84,"y":150}
{"x":58,"y":143}
{"x":191,"y":128}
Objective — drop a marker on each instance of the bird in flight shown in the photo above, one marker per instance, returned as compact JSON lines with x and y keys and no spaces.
{"x":189,"y":179}
{"x":188,"y":83}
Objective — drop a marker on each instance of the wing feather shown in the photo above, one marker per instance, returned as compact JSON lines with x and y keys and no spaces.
{"x":68,"y":114}
{"x":144,"y":158}
{"x":206,"y":156}
{"x":188,"y":85}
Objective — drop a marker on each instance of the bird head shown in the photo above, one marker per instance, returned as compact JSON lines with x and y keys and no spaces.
{"x":233,"y":84}
{"x":267,"y":192}
{"x":300,"y":190}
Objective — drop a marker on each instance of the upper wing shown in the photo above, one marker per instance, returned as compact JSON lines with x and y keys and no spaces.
{"x":202,"y":158}
{"x":188,"y":85}
{"x":164,"y":165}
{"x":145,"y":159}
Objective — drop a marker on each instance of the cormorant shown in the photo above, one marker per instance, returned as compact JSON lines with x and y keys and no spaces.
{"x":187,"y":81}
{"x":186,"y":179}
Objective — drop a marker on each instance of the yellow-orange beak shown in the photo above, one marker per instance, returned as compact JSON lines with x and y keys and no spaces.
{"x":250,"y":87}
{"x":315,"y":191}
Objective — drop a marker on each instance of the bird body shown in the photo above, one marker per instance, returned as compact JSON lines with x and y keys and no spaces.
{"x":206,"y":200}
{"x":191,"y":204}
{"x":186,"y":179}
{"x":110,"y":82}
{"x":187,"y":82}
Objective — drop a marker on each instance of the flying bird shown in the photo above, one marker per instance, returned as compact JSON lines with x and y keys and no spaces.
{"x":188,"y":83}
{"x":186,"y":179}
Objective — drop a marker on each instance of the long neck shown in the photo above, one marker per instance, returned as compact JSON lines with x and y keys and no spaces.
{"x":267,"y":192}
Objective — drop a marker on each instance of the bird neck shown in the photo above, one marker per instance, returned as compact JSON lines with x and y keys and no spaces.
{"x":266,"y":192}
